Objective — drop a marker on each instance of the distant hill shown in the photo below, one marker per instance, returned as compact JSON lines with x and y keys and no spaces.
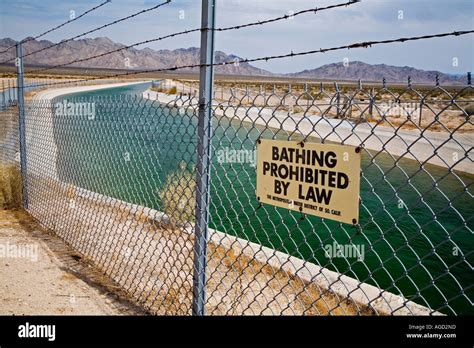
{"x":359,"y":70}
{"x":147,"y":58}
{"x":129,"y":58}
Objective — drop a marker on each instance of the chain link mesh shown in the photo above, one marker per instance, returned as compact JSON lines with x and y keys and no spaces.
{"x":115,"y":177}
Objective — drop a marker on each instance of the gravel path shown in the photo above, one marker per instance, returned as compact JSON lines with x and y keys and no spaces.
{"x":39,"y":275}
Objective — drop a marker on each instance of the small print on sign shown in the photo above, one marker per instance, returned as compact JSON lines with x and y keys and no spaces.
{"x":316,"y":179}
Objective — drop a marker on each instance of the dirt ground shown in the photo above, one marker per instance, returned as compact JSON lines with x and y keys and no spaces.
{"x":40,"y":275}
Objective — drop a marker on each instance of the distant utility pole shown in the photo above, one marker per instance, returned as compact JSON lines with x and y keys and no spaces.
{"x":21,"y":120}
{"x":206,"y":80}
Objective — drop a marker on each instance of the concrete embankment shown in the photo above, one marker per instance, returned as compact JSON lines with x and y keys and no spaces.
{"x":41,"y":146}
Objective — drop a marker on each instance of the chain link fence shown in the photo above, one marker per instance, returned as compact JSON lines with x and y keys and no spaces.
{"x":115,"y":177}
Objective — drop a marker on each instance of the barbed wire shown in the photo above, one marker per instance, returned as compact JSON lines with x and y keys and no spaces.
{"x":116,"y":50}
{"x":59,"y":26}
{"x":185,"y":32}
{"x":289,"y":16}
{"x":93,"y":30}
{"x":365,"y":44}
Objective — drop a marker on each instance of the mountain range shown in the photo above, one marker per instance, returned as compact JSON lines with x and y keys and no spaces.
{"x":376,"y":72}
{"x":147,"y":58}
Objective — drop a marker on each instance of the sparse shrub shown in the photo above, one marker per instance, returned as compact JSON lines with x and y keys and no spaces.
{"x":10,"y":186}
{"x":179,"y":197}
{"x":173,"y":90}
{"x":470,"y":109}
{"x":298,"y":109}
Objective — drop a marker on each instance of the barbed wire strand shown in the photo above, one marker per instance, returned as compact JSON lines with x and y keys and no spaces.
{"x":59,"y":26}
{"x":365,"y":44}
{"x":185,"y":32}
{"x":93,"y":30}
{"x":116,"y":50}
{"x":289,"y":16}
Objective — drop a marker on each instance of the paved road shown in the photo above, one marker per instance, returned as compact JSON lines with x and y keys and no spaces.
{"x":438,"y":148}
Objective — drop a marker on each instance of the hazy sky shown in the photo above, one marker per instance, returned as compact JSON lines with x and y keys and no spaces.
{"x":368,"y":20}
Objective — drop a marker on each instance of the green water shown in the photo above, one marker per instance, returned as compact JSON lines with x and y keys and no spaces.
{"x":131,"y":147}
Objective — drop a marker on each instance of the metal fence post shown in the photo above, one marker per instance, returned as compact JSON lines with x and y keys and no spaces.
{"x":21,"y":120}
{"x":9,"y":93}
{"x":420,"y":113}
{"x":204,"y":151}
{"x":14,"y":90}
{"x":4,"y":103}
{"x":338,"y":99}
{"x":371,"y":103}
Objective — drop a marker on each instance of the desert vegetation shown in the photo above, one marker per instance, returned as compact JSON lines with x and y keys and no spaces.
{"x":10,"y":186}
{"x":440,"y":109}
{"x":178,"y":196}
